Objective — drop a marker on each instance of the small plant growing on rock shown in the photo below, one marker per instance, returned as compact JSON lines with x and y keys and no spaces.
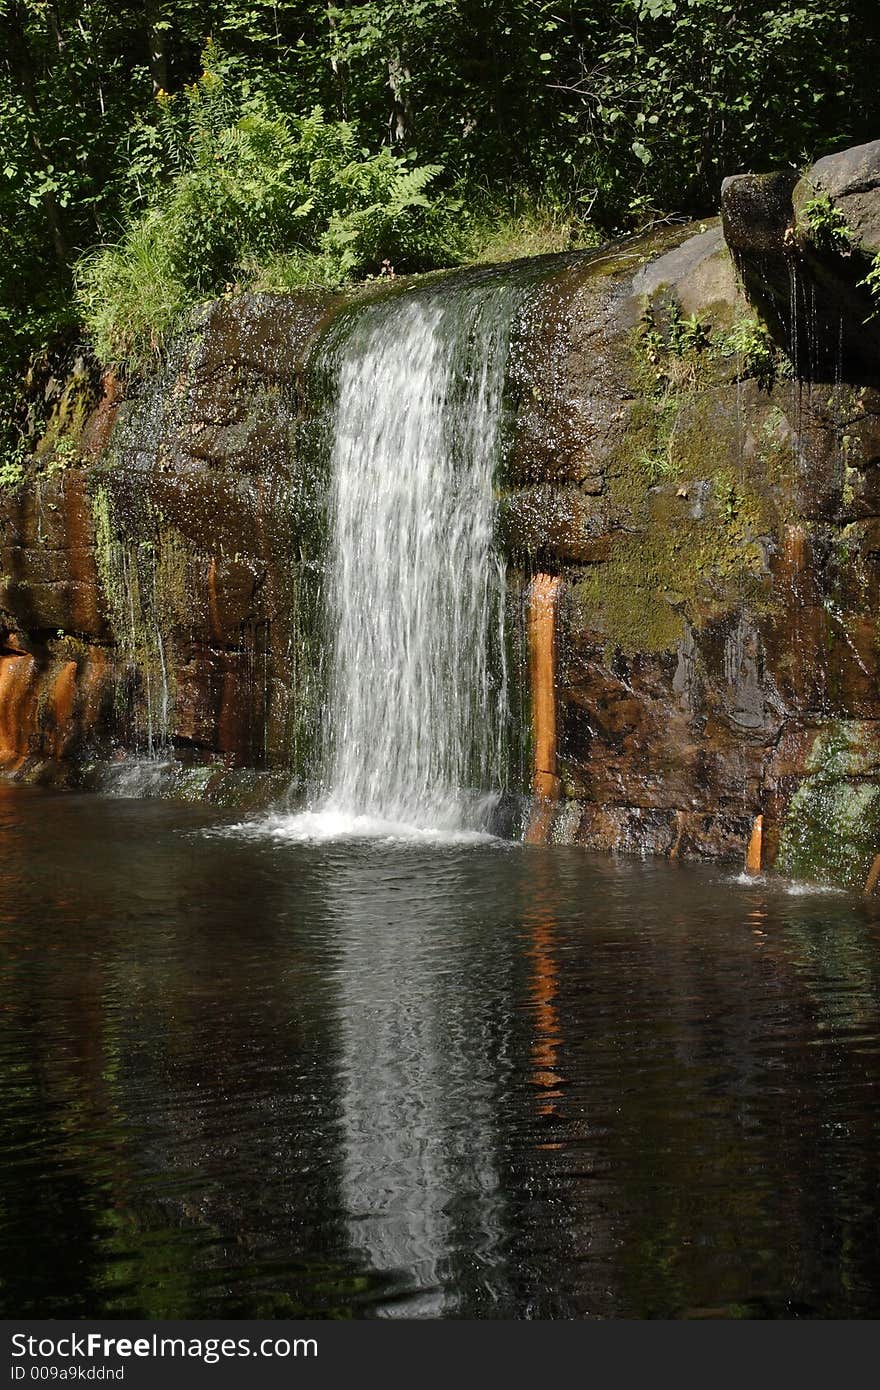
{"x":64,"y":453}
{"x":686,"y":335}
{"x":871,"y":283}
{"x":651,"y":340}
{"x":671,"y":344}
{"x":11,"y":470}
{"x":749,"y":340}
{"x":826,"y":225}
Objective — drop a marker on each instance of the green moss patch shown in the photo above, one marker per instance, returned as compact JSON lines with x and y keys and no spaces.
{"x":831,"y":832}
{"x":691,"y":514}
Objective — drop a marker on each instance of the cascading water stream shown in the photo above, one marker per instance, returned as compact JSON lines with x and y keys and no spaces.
{"x":417,"y":699}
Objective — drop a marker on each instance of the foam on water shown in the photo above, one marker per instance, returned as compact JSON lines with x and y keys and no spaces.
{"x":319,"y":827}
{"x":794,"y":889}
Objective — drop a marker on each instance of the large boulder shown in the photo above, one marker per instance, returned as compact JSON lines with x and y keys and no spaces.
{"x":851,"y":179}
{"x":804,"y":248}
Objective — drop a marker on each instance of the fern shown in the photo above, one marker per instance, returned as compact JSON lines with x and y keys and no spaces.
{"x":248,"y":189}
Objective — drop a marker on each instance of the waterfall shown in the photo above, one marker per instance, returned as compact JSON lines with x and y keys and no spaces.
{"x":417,"y":697}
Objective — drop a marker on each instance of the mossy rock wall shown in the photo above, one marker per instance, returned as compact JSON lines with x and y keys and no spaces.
{"x":715,"y":520}
{"x":174,"y":555}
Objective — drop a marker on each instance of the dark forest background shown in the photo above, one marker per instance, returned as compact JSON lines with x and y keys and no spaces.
{"x":154,"y":154}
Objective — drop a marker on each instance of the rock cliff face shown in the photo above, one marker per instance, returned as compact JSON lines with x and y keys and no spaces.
{"x":693,"y":447}
{"x":157,"y":580}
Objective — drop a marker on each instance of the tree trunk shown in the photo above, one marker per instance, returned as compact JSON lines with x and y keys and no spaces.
{"x":22,"y":67}
{"x":156,"y":46}
{"x":400,"y":122}
{"x":337,"y":66}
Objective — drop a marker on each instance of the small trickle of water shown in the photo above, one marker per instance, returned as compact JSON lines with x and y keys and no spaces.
{"x":138,"y":777}
{"x":418,"y":688}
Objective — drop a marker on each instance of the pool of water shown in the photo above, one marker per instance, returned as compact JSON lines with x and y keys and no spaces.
{"x":256,"y":1075}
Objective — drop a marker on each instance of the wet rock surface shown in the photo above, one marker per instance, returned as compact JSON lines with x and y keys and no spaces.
{"x":689,"y":443}
{"x":158,"y":563}
{"x":718,"y":545}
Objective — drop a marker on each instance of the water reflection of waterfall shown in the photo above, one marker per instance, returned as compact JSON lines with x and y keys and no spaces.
{"x":417,"y":702}
{"x":422,"y":1069}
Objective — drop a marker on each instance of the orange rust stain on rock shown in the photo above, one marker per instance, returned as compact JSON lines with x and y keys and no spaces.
{"x":754,"y":853}
{"x":99,"y":426}
{"x":543,"y":601}
{"x":18,"y":709}
{"x":92,"y":684}
{"x":83,"y":589}
{"x":62,"y":698}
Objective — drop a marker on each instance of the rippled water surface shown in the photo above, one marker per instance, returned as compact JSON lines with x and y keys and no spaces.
{"x":249,"y":1075}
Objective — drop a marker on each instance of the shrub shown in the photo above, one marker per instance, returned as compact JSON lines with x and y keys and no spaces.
{"x":251,"y":197}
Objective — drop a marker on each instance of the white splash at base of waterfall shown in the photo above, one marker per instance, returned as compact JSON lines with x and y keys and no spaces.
{"x":321,"y":826}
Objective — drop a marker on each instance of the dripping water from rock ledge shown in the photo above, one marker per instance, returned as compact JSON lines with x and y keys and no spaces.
{"x":417,"y":706}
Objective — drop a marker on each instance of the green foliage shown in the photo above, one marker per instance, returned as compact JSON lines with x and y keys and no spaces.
{"x":669,"y":345}
{"x":872,"y":284}
{"x":686,"y":334}
{"x":11,"y":470}
{"x":64,"y":452}
{"x":603,"y":113}
{"x":524,"y":226}
{"x":634,"y":105}
{"x":678,"y":351}
{"x":826,"y":225}
{"x":255,"y":197}
{"x":130,"y":295}
{"x":750,"y":342}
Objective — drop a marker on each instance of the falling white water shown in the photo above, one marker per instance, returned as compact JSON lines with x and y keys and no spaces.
{"x":417,"y":688}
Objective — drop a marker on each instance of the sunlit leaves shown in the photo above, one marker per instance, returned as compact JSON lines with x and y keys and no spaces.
{"x":630,"y":107}
{"x":250,"y":185}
